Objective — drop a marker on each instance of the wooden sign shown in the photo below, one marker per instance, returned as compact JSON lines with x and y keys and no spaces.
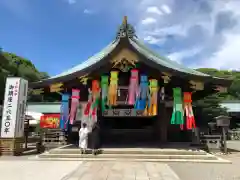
{"x":197,"y":85}
{"x":56,"y":87}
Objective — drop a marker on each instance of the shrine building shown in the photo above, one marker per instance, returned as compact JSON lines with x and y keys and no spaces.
{"x":133,"y":93}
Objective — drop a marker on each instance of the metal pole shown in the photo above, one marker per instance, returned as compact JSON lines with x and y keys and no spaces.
{"x":224,"y":140}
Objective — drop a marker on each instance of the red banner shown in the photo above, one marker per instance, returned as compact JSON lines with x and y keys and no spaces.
{"x":50,"y":121}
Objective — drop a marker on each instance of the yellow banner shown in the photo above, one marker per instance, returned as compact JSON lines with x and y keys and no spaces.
{"x":83,"y":79}
{"x":56,"y":87}
{"x":37,"y":91}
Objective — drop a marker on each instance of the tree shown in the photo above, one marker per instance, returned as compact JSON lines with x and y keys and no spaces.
{"x":11,"y":65}
{"x":209,"y":107}
{"x":234,"y":89}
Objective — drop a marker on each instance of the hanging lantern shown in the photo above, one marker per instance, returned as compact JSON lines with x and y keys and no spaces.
{"x":56,"y":87}
{"x":221,"y":89}
{"x":196,"y":85}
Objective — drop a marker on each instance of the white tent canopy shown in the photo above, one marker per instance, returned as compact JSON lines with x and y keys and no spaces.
{"x":34,"y":117}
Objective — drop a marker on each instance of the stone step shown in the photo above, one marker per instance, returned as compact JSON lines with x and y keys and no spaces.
{"x":128,"y":156}
{"x":215,"y":161}
{"x":133,"y":151}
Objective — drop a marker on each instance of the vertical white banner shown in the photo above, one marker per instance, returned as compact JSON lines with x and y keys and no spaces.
{"x":22,"y":101}
{"x":14,"y":107}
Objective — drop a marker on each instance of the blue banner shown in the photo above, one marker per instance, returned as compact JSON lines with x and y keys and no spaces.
{"x":64,"y":111}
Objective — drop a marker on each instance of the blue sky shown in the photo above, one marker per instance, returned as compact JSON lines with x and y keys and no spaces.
{"x":58,"y":34}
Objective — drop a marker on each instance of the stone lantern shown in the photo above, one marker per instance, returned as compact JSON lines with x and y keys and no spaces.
{"x":223,"y":122}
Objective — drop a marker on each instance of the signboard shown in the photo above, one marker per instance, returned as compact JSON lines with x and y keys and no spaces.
{"x":123,"y":113}
{"x":50,"y":121}
{"x":22,"y":101}
{"x":14,"y":107}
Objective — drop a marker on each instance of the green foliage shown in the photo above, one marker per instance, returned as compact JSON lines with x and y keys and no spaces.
{"x":234,"y":89}
{"x":208,"y":107}
{"x":13,"y":65}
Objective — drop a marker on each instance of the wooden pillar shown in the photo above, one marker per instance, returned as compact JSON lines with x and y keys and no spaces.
{"x":162,"y":122}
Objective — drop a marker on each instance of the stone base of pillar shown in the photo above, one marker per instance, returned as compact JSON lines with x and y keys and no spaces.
{"x":11,"y":146}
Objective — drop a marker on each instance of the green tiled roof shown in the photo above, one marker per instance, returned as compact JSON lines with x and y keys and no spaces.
{"x":141,"y":48}
{"x":126,"y":31}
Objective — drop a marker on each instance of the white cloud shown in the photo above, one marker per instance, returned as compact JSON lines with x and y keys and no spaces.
{"x":71,"y":1}
{"x":192,"y":25}
{"x":166,"y":9}
{"x":154,"y":9}
{"x":174,"y":29}
{"x":228,"y":56}
{"x":87,"y":11}
{"x":153,"y":40}
{"x":179,"y":56}
{"x":148,"y":21}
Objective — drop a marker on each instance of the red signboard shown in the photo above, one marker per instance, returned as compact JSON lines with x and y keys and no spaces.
{"x":50,"y":121}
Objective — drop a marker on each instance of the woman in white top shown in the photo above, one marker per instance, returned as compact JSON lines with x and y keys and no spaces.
{"x":83,"y":138}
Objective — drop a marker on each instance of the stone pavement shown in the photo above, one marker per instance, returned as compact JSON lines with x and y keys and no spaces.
{"x":122,"y":171}
{"x":74,"y":170}
{"x":205,"y":171}
{"x":35,"y":170}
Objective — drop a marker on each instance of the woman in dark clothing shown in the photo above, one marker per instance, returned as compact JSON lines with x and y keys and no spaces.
{"x":95,"y":142}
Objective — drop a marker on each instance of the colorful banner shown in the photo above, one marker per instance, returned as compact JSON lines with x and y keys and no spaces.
{"x":74,"y":105}
{"x":133,"y":87}
{"x":50,"y":121}
{"x":64,"y":111}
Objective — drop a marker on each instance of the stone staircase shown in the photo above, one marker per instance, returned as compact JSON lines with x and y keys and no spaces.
{"x":132,"y":154}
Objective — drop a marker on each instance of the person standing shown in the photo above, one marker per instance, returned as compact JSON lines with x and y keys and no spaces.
{"x":83,"y":138}
{"x":95,"y":143}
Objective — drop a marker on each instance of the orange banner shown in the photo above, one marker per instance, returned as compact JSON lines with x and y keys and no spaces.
{"x":50,"y":121}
